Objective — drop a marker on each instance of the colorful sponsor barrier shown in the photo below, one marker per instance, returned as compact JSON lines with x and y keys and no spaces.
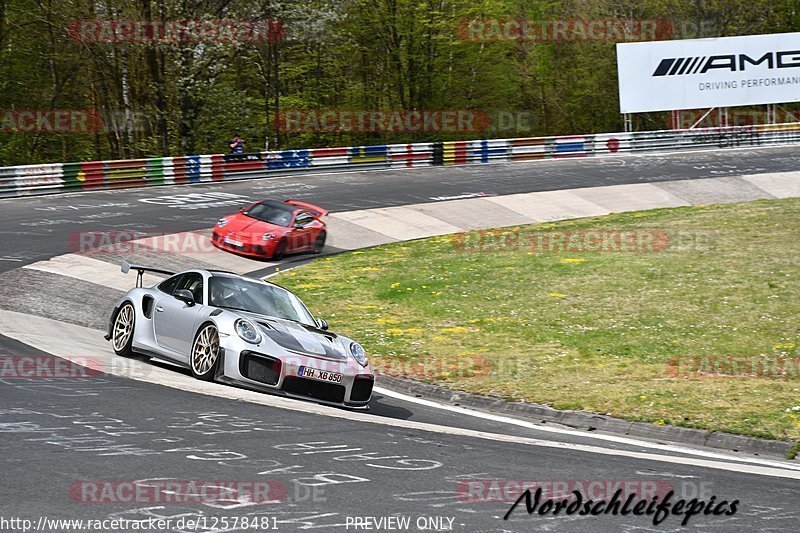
{"x":328,"y":157}
{"x":572,"y":146}
{"x":492,"y":150}
{"x":410,"y":155}
{"x":527,"y":149}
{"x":612,"y":143}
{"x":369,"y":155}
{"x":88,"y":175}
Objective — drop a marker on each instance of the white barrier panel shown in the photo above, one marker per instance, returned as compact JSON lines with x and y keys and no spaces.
{"x":612,"y":143}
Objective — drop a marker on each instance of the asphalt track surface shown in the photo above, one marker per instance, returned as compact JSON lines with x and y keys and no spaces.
{"x":55,"y":434}
{"x":38,"y":228}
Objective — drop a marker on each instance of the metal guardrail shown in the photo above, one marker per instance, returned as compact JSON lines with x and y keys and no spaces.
{"x":66,"y":177}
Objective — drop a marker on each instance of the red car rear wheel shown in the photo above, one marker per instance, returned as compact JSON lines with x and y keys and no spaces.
{"x":319,"y":244}
{"x":280,"y":250}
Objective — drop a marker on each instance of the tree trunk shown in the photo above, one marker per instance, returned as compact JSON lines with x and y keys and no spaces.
{"x":2,"y":30}
{"x":155,"y":63}
{"x":128,"y":150}
{"x":276,"y":89}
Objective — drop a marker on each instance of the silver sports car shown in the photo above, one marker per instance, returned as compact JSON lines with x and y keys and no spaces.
{"x":243,"y":331}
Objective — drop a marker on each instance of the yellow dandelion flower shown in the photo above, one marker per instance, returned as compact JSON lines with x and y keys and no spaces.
{"x":456,"y":329}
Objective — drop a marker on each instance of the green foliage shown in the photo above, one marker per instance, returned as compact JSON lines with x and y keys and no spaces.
{"x":173,"y":99}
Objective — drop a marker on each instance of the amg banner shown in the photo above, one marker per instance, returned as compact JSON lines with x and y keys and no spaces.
{"x":703,"y":73}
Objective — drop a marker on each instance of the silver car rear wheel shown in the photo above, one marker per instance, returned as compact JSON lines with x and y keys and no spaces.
{"x":122,"y":332}
{"x":205,"y":352}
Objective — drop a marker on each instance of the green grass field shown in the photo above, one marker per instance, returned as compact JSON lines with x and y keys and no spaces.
{"x":689,"y":319}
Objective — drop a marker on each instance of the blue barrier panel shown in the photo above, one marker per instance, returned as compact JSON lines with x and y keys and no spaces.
{"x":484,"y":152}
{"x":289,"y":159}
{"x":368,"y":154}
{"x":193,"y":168}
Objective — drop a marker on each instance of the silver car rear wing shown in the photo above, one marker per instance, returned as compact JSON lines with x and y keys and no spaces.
{"x":140,"y":270}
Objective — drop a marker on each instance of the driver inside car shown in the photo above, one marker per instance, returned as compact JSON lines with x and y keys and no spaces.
{"x":217,"y":295}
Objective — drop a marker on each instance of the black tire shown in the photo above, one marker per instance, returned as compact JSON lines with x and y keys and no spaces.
{"x":122,"y":330}
{"x":319,"y":244}
{"x":280,"y":250}
{"x":205,"y":354}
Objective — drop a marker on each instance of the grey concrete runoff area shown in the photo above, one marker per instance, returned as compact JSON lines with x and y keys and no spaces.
{"x":123,"y":438}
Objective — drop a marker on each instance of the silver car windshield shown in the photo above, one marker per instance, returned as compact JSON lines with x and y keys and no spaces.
{"x":260,"y":298}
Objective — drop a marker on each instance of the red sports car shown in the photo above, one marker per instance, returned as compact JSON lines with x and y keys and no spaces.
{"x":271,"y":229}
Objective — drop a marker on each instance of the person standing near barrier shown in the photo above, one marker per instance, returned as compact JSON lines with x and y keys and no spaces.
{"x":237,"y":145}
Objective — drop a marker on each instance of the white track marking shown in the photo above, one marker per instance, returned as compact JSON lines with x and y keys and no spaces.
{"x":92,"y":270}
{"x":401,"y":223}
{"x":545,"y":206}
{"x":630,"y":197}
{"x":196,"y":245}
{"x":576,"y":433}
{"x":778,"y":184}
{"x":76,"y":343}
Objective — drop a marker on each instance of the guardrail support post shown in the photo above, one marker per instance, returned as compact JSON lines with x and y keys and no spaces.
{"x":770,"y":114}
{"x":723,"y":117}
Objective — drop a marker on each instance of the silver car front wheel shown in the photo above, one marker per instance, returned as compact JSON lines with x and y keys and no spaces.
{"x":205,"y":352}
{"x":122,"y":332}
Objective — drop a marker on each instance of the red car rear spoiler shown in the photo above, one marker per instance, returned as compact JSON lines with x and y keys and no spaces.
{"x":315,"y":209}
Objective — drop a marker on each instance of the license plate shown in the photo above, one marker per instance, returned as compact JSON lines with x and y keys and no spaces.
{"x":321,"y":375}
{"x":232,"y":242}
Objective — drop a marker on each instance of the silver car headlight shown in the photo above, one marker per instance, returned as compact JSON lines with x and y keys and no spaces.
{"x":267,"y":236}
{"x":359,"y":354}
{"x":247,"y":331}
{"x":221,"y":223}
